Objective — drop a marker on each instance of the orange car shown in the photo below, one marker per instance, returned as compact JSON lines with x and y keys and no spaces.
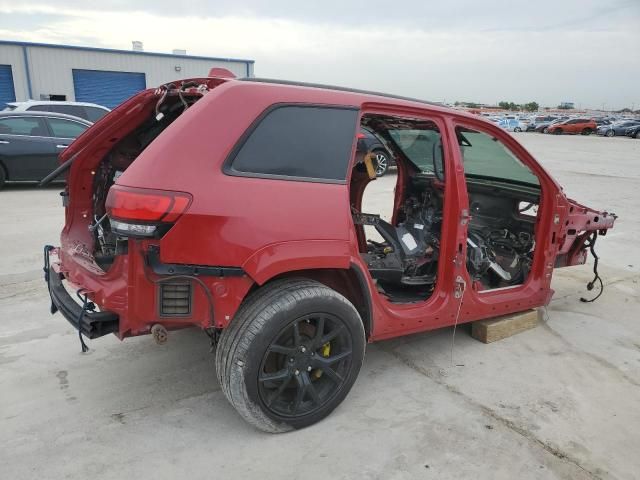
{"x":583,"y":126}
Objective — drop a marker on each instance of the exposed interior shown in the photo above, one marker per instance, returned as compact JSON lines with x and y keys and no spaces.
{"x":171,"y":104}
{"x":402,"y":253}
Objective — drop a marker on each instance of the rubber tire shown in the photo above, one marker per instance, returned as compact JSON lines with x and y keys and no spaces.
{"x":260,"y":318}
{"x":610,"y":133}
{"x":517,"y":129}
{"x":3,"y":176}
{"x":557,"y":131}
{"x":545,"y":130}
{"x":638,"y":134}
{"x":586,"y":131}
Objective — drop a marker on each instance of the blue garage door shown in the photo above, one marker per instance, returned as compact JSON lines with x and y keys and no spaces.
{"x":106,"y":88}
{"x":7,"y":93}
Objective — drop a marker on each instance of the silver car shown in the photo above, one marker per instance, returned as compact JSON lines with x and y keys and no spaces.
{"x":88,"y":111}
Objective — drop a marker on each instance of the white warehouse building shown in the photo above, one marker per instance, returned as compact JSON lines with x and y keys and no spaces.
{"x":104,"y":76}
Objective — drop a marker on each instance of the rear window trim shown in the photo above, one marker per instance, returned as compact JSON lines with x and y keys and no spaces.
{"x":227,"y":165}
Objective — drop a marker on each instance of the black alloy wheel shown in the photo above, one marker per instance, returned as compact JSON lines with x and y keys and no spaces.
{"x":305,"y":365}
{"x":291,"y":354}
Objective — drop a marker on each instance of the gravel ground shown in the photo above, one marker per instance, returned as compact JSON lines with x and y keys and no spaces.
{"x":559,"y":401}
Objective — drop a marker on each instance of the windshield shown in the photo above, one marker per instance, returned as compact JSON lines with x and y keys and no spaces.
{"x":419,"y":146}
{"x":486,"y":157}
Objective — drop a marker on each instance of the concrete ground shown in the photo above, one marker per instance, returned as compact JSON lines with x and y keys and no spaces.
{"x":559,"y":401}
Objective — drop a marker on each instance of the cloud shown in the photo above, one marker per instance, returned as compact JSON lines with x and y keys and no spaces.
{"x":455,"y":51}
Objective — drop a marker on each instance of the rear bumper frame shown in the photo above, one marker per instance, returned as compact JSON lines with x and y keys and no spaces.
{"x":90,"y":323}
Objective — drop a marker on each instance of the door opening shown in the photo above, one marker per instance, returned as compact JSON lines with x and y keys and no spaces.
{"x":504,"y":195}
{"x":399,"y":229}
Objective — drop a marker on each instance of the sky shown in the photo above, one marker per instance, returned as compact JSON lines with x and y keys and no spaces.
{"x":582,"y":51}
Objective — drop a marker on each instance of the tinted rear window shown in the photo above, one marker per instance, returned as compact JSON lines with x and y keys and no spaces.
{"x":94,"y":114}
{"x":298,"y":141}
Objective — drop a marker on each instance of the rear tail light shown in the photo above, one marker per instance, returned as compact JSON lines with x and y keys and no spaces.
{"x":142,"y":212}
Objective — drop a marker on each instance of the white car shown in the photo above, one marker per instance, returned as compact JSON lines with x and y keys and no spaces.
{"x":512,"y":125}
{"x":89,"y":111}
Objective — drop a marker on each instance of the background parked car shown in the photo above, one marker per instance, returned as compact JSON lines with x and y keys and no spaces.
{"x":539,"y":120}
{"x":543,"y":127}
{"x":512,"y":125}
{"x":582,"y":126}
{"x":31,"y":141}
{"x":367,"y":141}
{"x":633,"y":131}
{"x":603,"y":122}
{"x":88,"y":111}
{"x":618,"y":128}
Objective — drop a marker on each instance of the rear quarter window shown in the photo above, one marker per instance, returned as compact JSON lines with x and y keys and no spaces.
{"x":61,"y":128}
{"x":93,"y":114}
{"x":298,"y":142}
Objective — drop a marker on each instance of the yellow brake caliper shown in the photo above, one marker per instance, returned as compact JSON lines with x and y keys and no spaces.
{"x":325,"y":351}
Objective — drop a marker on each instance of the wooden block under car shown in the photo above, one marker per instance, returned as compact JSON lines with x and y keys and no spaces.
{"x":488,"y":331}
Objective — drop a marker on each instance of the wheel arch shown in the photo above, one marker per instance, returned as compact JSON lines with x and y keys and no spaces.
{"x":380,"y":148}
{"x":278,"y":258}
{"x":349,"y":282}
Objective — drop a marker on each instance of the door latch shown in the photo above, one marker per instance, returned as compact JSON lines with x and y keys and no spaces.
{"x":464,"y":216}
{"x":459,"y":287}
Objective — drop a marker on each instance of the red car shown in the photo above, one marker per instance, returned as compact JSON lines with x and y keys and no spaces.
{"x":236,"y":206}
{"x":582,"y":126}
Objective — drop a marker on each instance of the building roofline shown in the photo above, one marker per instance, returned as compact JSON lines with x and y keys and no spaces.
{"x":113,"y":50}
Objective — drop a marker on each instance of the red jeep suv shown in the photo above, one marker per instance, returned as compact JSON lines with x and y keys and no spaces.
{"x":235,"y":205}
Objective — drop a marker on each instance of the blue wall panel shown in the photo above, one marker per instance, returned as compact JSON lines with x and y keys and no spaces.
{"x":105,"y":88}
{"x":7,"y":92}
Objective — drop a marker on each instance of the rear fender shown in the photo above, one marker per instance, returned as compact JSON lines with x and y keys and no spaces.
{"x":279,"y":258}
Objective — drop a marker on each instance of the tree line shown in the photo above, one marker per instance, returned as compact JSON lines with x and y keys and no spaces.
{"x":527,"y":107}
